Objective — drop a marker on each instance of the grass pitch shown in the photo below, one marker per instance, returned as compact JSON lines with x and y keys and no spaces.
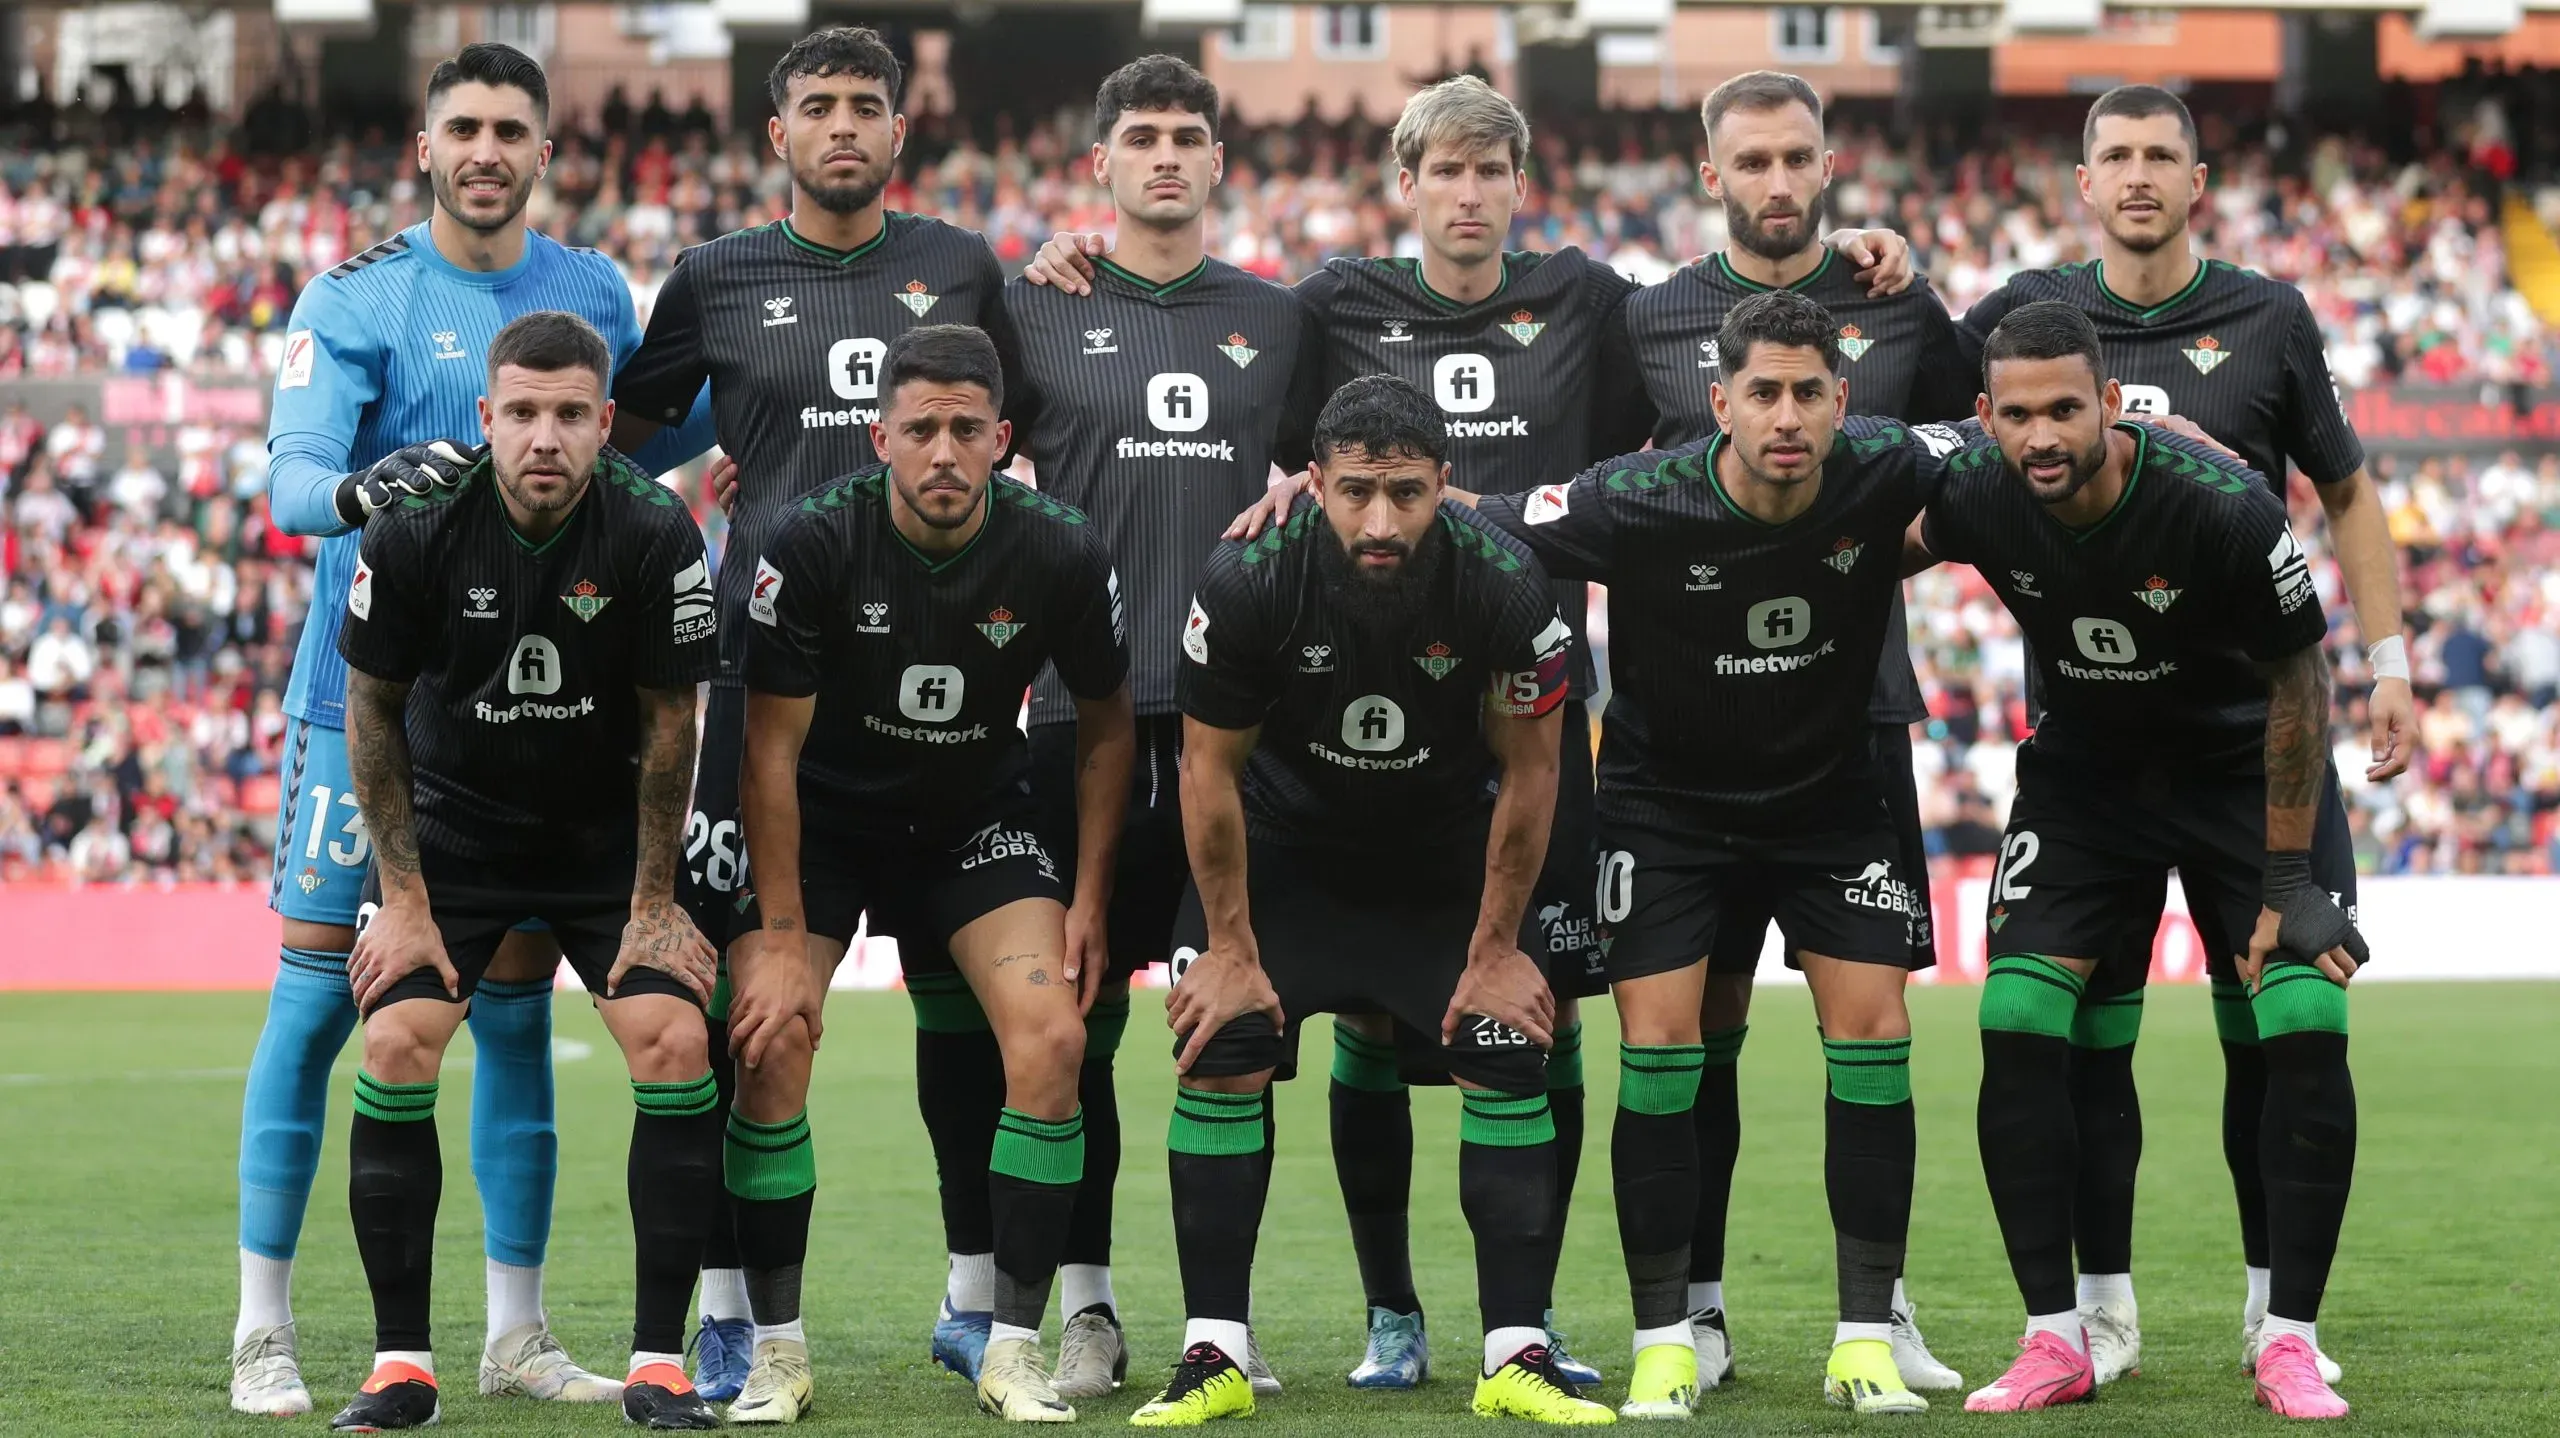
{"x":119,"y":1273}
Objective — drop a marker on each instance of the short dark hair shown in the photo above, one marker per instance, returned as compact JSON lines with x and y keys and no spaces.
{"x":1381,"y":416}
{"x":1777,"y":317}
{"x":2137,"y":102}
{"x":550,"y":340}
{"x":1758,"y":90}
{"x":944,"y":354}
{"x":855,"y":50}
{"x":2047,"y":329}
{"x":490,"y":63}
{"x":1154,"y":82}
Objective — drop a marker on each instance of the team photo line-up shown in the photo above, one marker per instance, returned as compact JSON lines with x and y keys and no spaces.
{"x":1250,"y":695}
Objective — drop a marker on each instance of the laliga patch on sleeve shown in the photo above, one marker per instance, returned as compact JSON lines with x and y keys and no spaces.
{"x":360,"y":593}
{"x":760,"y":599}
{"x":1195,"y":633}
{"x":300,"y":352}
{"x":1545,"y":503}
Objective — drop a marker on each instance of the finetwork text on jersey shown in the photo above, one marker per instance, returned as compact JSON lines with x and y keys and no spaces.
{"x":1177,"y":449}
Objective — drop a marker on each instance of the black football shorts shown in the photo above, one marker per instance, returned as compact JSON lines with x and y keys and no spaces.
{"x":1666,"y":900}
{"x":1152,"y":865}
{"x":713,"y":870}
{"x":475,"y":903}
{"x":1746,"y":926}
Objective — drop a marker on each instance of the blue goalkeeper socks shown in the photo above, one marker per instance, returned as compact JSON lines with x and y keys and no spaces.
{"x":309,"y":1015}
{"x":515,"y":1146}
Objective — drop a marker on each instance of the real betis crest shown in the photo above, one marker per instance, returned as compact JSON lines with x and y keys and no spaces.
{"x":1524,"y":327}
{"x":1999,"y":916}
{"x":2207,"y":353}
{"x":916,"y":299}
{"x":1854,"y":344}
{"x":2158,"y":595}
{"x":584,"y":602}
{"x":1000,"y":626}
{"x":1436,"y":660}
{"x":1844,"y":554}
{"x":1236,"y":349}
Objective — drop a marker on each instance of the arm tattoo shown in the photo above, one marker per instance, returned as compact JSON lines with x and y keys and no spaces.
{"x":2297,"y":728}
{"x":666,"y":780}
{"x":378,"y":761}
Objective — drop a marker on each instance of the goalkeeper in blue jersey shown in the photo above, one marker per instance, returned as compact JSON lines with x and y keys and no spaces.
{"x":376,"y":401}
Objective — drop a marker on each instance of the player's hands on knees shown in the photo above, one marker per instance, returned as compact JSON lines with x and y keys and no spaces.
{"x":1061,"y":262}
{"x":399,"y":940}
{"x":1088,"y":952}
{"x":660,"y":935}
{"x":419,"y":471}
{"x":1221,"y":986}
{"x":2339,"y":961}
{"x":771,"y":983}
{"x":720,"y":478}
{"x":1503,"y":984}
{"x":2393,"y":716}
{"x":1883,"y":259}
{"x":1273,"y":507}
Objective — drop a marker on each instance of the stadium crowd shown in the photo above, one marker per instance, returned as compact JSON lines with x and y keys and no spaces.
{"x":149,"y":609}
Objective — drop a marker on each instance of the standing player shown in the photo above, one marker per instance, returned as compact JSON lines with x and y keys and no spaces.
{"x":1767,"y":164}
{"x":1153,"y":405}
{"x":790,"y":323}
{"x":2239,"y":354}
{"x":899,"y":614}
{"x":1360,"y":680}
{"x":374,"y":404}
{"x":2185,"y":726}
{"x":533,"y":626}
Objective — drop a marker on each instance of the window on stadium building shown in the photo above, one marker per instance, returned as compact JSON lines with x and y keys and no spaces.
{"x":530,"y":28}
{"x":1351,"y":32}
{"x":1805,"y":34}
{"x":1267,"y":32}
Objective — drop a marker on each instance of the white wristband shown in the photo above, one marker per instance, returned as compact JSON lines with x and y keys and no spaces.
{"x":2390,"y":659}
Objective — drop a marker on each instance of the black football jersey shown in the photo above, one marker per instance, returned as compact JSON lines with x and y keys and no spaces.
{"x":1370,"y":740}
{"x":1902,"y":360}
{"x":2144,"y":626}
{"x":919,"y":664}
{"x":1156,"y":409}
{"x":524,"y":731}
{"x":2234,"y":351}
{"x":791,"y":336}
{"x":1741,"y":653}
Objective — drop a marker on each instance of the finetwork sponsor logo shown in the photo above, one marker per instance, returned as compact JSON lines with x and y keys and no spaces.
{"x":812,"y":417}
{"x":1771,"y":663}
{"x":2161,"y":670}
{"x":878,"y":725}
{"x":531,"y":709}
{"x":1352,"y":761}
{"x":1513,"y":428}
{"x":1217,"y":449}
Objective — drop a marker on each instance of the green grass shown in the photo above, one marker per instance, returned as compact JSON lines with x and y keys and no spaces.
{"x":119,"y":1278}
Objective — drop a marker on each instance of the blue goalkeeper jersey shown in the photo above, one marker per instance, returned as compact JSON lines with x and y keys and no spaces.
{"x":391,"y":349}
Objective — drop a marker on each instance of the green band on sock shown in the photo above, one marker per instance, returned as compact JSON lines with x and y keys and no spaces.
{"x":1564,"y":1061}
{"x":1876,"y":1072}
{"x":1037,"y":1150}
{"x":1364,"y":1063}
{"x":718,"y":1009}
{"x":394,"y":1102}
{"x":677,"y":1100}
{"x":1505,"y":1120}
{"x":1723,"y":1047}
{"x":2295,"y":998}
{"x":2110,"y":1023}
{"x":2231,"y":1016}
{"x":2030,"y":994}
{"x":944,"y":1004}
{"x":769,"y":1161}
{"x":1659,"y":1078}
{"x":1217,"y":1125}
{"x":1103,"y":1027}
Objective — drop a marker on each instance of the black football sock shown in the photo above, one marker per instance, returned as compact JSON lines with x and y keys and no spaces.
{"x":720,"y":1240}
{"x":1032,"y":1178}
{"x":2109,"y":1114}
{"x":959,"y":1092}
{"x":395,"y":1179}
{"x":1098,"y":1093}
{"x":1215,"y":1144}
{"x":2026,"y":1124}
{"x":1718,"y":1121}
{"x":2309,"y":1149}
{"x":1870,"y":1146}
{"x":772,"y":1175}
{"x":1373,"y":1162}
{"x":1506,"y":1187}
{"x":1653,"y":1159}
{"x":1564,"y":1103}
{"x":2244,"y":1106}
{"x":673,"y":1171}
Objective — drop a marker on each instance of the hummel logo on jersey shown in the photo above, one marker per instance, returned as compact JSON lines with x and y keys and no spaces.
{"x":2026,"y":583}
{"x":693,"y":614}
{"x":2158,"y":595}
{"x":1318,"y":659}
{"x":915,"y":298}
{"x":767,"y":588}
{"x":1098,"y":342}
{"x":448,"y":344}
{"x":1524,"y":327}
{"x":2110,"y":644}
{"x":1437,"y":661}
{"x":1236,"y":349}
{"x":584,"y":602}
{"x":2292,"y":573}
{"x":1702,"y":577}
{"x":2207,"y":353}
{"x":1844,"y":554}
{"x":1854,"y":344}
{"x":875,"y":619}
{"x":1000,"y":627}
{"x":1706,"y":354}
{"x":1396,"y":332}
{"x":777,"y":311}
{"x":481,"y":601}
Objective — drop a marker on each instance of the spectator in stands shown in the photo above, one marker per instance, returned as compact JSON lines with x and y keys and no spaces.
{"x":78,"y":450}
